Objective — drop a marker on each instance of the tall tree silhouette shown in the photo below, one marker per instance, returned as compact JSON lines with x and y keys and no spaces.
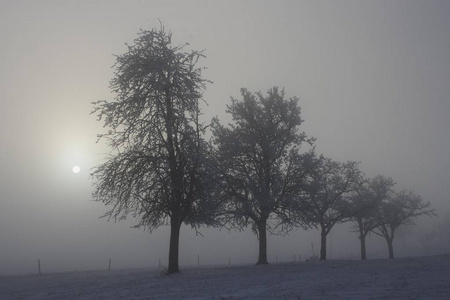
{"x":259,"y":157}
{"x":159,"y":170}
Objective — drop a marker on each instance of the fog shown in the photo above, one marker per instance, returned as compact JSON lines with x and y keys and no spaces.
{"x":372,"y":78}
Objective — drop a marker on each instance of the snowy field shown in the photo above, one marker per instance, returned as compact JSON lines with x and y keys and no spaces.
{"x":401,"y":278}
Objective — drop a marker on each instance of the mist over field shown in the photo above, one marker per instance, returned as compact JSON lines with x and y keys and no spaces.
{"x":371,"y":76}
{"x":402,"y":278}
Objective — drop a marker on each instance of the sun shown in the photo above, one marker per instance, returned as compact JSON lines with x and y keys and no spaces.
{"x":76,"y":169}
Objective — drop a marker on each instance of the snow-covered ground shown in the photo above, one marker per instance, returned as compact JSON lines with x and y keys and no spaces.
{"x":400,"y":278}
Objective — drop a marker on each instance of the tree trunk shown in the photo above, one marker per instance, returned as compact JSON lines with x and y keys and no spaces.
{"x":362,"y":239}
{"x":323,"y":245}
{"x":262,"y":232}
{"x":390,"y":243}
{"x":174,"y":246}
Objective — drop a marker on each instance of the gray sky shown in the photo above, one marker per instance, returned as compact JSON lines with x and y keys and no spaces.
{"x":372,"y":76}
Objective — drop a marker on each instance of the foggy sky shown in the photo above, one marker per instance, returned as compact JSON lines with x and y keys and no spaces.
{"x":372,"y":78}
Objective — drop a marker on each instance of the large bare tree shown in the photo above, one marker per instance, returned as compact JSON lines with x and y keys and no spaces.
{"x":259,"y":157}
{"x":159,"y":170}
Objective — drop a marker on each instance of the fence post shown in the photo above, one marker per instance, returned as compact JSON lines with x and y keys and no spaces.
{"x":39,"y":267}
{"x":109,"y":265}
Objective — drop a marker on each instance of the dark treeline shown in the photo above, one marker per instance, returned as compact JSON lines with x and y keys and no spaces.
{"x":260,"y":171}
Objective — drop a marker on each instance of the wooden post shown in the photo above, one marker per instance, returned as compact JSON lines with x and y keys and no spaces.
{"x":39,"y":267}
{"x":109,"y":266}
{"x":229,"y":261}
{"x":159,"y":266}
{"x":198,"y":261}
{"x":276,"y":259}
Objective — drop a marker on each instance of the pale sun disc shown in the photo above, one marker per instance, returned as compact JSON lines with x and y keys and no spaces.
{"x":76,"y":169}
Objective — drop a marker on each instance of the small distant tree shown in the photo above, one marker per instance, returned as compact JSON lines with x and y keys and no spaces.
{"x":329,"y":184}
{"x":400,"y":209}
{"x":426,"y":239}
{"x":443,"y":233}
{"x":159,"y":170}
{"x":365,"y":203}
{"x":259,"y":157}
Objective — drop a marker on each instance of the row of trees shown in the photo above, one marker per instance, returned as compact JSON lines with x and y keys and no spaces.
{"x":259,"y":171}
{"x":375,"y":207}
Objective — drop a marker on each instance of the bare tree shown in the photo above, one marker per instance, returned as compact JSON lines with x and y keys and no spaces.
{"x":400,"y":209}
{"x":443,"y":233}
{"x":426,"y":239}
{"x":330,"y":183}
{"x":159,"y":170}
{"x":260,"y":160}
{"x":365,"y":203}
